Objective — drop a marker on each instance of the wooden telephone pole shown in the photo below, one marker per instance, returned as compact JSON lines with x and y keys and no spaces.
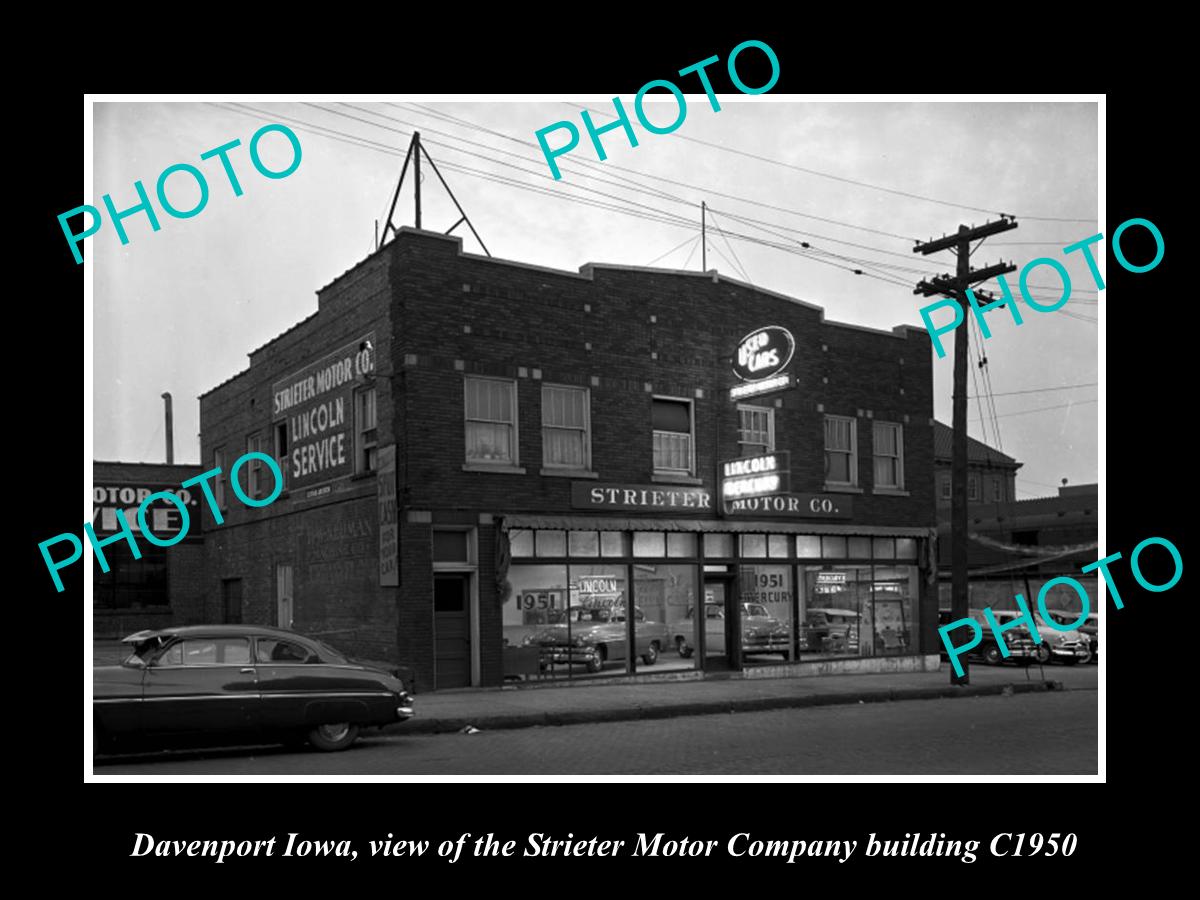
{"x":956,"y":288}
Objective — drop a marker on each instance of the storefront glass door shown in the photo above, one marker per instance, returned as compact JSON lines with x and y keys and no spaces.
{"x":719,"y":624}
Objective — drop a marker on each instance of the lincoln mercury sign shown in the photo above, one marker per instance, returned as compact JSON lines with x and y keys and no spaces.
{"x":316,"y":407}
{"x":755,"y":476}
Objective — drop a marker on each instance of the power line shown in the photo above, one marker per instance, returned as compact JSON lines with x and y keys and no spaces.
{"x":1026,"y":412}
{"x":1065,"y":387}
{"x":840,"y":178}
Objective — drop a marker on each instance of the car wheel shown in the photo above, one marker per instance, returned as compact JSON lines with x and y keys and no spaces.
{"x":596,"y":663}
{"x":333,"y":736}
{"x":992,"y":656}
{"x":650,"y":657}
{"x":685,"y":651}
{"x":1043,"y":654}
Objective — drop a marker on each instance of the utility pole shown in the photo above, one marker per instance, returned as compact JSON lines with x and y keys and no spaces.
{"x":956,"y":288}
{"x":703,"y":237}
{"x":417,"y":176}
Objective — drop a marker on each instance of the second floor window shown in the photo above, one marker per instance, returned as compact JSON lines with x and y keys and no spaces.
{"x":944,"y":481}
{"x":219,"y":481}
{"x":998,"y":489}
{"x":366,"y":425}
{"x":756,"y":430}
{"x":889,"y":455}
{"x":254,"y":467}
{"x":491,"y":421}
{"x":841,"y":450}
{"x":566,"y":427}
{"x":671,"y":421}
{"x":281,"y":450}
{"x":973,"y":486}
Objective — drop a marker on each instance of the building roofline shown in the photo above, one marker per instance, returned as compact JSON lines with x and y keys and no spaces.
{"x":115,"y":462}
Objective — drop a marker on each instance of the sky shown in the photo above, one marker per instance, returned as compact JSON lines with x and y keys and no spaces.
{"x":179,"y":309}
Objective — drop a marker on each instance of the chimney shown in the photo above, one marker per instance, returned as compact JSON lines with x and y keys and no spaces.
{"x":170,"y":428}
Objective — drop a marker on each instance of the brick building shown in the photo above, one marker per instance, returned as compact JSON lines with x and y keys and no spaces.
{"x":991,"y":475}
{"x":496,"y":470}
{"x":165,"y":586}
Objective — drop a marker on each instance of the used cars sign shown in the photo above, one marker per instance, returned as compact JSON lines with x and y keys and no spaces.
{"x":763,"y":353}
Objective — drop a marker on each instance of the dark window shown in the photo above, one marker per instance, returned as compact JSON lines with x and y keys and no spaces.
{"x":131,"y":583}
{"x":273,"y":650}
{"x":1028,"y":538}
{"x":281,"y":449}
{"x":231,"y":600}
{"x":450,"y":546}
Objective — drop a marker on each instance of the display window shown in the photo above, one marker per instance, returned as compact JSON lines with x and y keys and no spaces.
{"x":767,"y":599}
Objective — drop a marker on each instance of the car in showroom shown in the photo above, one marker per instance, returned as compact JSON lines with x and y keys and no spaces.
{"x":830,"y":630}
{"x":594,"y":635}
{"x":1090,"y":627}
{"x":235,"y":684}
{"x":1022,"y":651}
{"x":762,"y":633}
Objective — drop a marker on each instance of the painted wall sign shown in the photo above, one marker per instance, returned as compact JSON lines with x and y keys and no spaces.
{"x":763,"y":353}
{"x":793,"y":506}
{"x":162,"y":516}
{"x":389,"y":520}
{"x":317,"y":405}
{"x":658,"y":498}
{"x":755,"y":476}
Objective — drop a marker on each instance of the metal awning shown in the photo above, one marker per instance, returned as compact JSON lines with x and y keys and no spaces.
{"x":760,"y":526}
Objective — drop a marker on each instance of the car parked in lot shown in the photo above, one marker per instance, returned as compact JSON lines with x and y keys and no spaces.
{"x":1066,"y":647}
{"x":593,"y":636}
{"x":1090,"y":627}
{"x":761,"y":632}
{"x":240,"y":684}
{"x":1021,"y":649}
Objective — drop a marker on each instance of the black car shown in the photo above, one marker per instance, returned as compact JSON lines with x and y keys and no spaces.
{"x":238,"y":684}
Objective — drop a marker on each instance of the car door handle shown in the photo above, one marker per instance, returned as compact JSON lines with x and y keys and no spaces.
{"x":249,"y":670}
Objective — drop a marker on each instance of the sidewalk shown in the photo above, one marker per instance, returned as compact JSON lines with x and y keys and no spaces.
{"x":597,"y":701}
{"x":488,"y":709}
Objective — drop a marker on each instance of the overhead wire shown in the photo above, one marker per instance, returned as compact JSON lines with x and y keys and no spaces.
{"x":844,"y":180}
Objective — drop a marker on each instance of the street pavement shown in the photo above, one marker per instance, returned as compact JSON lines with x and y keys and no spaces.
{"x":1051,"y":733}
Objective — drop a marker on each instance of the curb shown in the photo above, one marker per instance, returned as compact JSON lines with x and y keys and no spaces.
{"x":417,"y":725}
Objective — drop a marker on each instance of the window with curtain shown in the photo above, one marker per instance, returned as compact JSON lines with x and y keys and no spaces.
{"x":889,"y":455}
{"x":841,"y":459}
{"x":756,"y":430}
{"x":671,"y":421}
{"x":566,"y":427}
{"x":366,"y":428}
{"x":491,"y":421}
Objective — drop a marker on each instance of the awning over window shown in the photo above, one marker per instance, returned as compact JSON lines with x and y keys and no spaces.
{"x":617,"y":523}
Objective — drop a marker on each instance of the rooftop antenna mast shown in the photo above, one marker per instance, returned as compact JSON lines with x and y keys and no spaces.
{"x":415,"y":151}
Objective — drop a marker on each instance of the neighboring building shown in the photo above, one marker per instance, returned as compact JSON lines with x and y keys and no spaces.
{"x":165,"y":586}
{"x":489,"y":463}
{"x":1015,"y":546}
{"x":991,"y":475}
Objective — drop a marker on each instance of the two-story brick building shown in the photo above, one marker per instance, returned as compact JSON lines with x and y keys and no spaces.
{"x":501,"y":470}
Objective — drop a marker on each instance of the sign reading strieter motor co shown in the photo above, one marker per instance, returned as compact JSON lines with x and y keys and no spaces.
{"x":760,"y":362}
{"x":165,"y":519}
{"x":316,"y":405}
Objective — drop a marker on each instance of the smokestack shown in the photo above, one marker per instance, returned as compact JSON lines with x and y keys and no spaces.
{"x":170,"y":428}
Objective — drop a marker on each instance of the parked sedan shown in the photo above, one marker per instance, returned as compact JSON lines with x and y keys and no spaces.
{"x":1066,"y":647}
{"x":237,"y":684}
{"x":1091,"y":628}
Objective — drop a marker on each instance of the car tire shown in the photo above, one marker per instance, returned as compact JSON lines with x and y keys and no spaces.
{"x":596,"y":663}
{"x":992,"y":656}
{"x":650,"y":657}
{"x":333,"y":736}
{"x":1043,"y":654}
{"x":681,"y":645}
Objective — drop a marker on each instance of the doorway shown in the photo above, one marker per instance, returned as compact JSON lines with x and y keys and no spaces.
{"x":284,"y":607}
{"x":231,"y":601}
{"x":451,"y":630}
{"x":721,"y":636}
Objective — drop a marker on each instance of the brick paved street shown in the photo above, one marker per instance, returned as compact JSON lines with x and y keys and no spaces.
{"x":1050,"y":733}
